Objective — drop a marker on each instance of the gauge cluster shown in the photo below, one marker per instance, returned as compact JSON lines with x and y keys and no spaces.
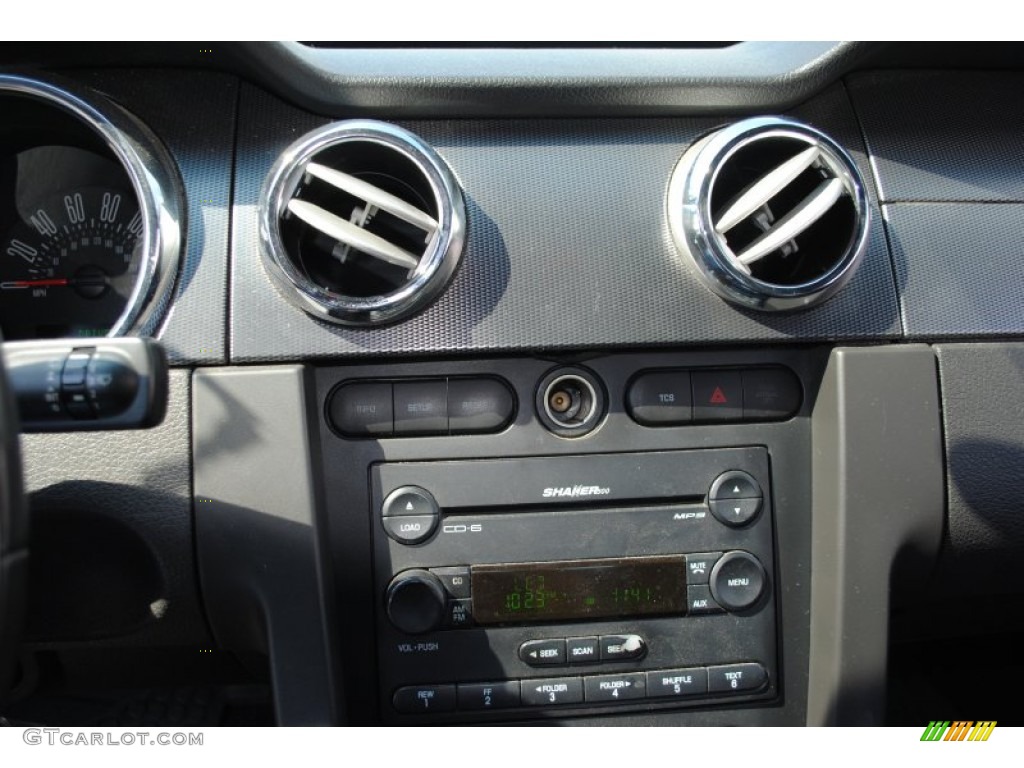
{"x":89,"y":216}
{"x":69,"y":241}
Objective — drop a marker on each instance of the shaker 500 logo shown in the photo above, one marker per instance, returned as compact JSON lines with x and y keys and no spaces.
{"x":575,"y":491}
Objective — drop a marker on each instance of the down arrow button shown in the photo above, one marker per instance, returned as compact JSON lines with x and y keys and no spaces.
{"x":735,"y":498}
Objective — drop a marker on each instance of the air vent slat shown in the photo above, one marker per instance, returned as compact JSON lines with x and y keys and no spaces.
{"x":790,"y":226}
{"x":763,"y":190}
{"x":374,"y":196}
{"x":361,"y":223}
{"x":771,"y":213}
{"x":348,"y":233}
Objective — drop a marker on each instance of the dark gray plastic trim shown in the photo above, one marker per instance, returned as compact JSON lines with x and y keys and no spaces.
{"x":983,"y":416}
{"x":877,"y":502}
{"x":255,"y":506}
{"x":465,"y":82}
{"x":13,"y":535}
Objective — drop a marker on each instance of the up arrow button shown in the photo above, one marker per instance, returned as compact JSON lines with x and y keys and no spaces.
{"x":735,"y":498}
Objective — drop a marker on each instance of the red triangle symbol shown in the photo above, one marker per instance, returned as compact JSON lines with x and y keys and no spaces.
{"x":718,"y":397}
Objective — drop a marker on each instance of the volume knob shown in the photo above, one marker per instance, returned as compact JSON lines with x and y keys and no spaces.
{"x":415,"y":601}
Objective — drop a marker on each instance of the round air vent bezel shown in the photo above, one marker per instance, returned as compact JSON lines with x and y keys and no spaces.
{"x":693,"y":229}
{"x":436,"y":265}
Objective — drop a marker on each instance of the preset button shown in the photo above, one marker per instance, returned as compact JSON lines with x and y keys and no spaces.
{"x":736,"y":678}
{"x":424,"y":699}
{"x":484,"y":696}
{"x":677,"y":682}
{"x":629,"y":685}
{"x":555,"y":690}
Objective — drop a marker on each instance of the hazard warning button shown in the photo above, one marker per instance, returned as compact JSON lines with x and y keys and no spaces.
{"x":717,"y":396}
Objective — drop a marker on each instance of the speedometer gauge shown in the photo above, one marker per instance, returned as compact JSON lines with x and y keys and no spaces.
{"x":70,"y":270}
{"x":91,"y":210}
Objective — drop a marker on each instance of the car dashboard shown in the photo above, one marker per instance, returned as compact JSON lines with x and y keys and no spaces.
{"x":675,"y":385}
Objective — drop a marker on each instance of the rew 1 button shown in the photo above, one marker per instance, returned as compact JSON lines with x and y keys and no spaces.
{"x":424,"y":699}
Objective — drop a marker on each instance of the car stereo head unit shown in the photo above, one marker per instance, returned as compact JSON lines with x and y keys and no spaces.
{"x":499,"y":598}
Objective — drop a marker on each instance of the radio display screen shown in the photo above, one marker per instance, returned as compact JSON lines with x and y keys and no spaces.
{"x":570,"y":590}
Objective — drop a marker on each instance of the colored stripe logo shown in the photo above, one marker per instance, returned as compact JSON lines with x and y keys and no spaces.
{"x":960,"y":730}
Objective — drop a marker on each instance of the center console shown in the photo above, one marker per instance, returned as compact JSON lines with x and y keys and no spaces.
{"x":536,"y":538}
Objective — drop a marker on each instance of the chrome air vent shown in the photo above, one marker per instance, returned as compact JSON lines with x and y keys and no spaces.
{"x":771,"y":211}
{"x":361,"y":223}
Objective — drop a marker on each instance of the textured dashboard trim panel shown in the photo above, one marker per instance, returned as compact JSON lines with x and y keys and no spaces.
{"x":959,"y":268}
{"x":943,"y":136}
{"x":193,"y":113}
{"x":568,"y":247}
